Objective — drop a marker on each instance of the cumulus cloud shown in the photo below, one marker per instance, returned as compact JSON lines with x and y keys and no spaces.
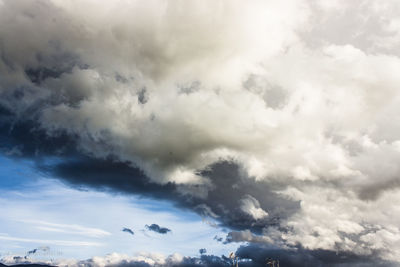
{"x":299,"y":99}
{"x":138,"y":59}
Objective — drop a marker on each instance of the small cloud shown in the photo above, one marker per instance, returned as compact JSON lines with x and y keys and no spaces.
{"x":36,"y":250}
{"x":202,"y":251}
{"x":218,"y":238}
{"x":127,"y":230}
{"x":251,"y":206}
{"x":158,"y":229}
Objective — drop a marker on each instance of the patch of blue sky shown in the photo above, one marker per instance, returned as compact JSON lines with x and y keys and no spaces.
{"x":37,"y":212}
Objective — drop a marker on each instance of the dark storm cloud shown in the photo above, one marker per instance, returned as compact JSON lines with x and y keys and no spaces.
{"x":31,"y":141}
{"x":223,"y":201}
{"x":303,"y":257}
{"x":80,"y":170}
{"x":158,"y":229}
{"x":205,"y":260}
{"x":127,"y":230}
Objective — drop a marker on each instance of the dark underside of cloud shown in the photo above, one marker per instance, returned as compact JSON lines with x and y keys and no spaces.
{"x":57,"y":157}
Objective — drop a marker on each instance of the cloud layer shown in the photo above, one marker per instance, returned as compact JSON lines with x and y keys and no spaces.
{"x":297,"y":99}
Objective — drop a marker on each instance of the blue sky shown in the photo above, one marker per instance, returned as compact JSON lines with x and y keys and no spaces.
{"x":42,"y":212}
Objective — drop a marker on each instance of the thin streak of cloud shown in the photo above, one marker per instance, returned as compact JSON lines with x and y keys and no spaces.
{"x":52,"y":242}
{"x":68,"y":228}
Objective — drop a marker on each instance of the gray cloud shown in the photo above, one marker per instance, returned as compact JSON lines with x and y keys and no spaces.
{"x":260,"y":117}
{"x":127,"y":230}
{"x":202,"y":251}
{"x":36,"y":250}
{"x":158,"y":229}
{"x":246,"y":236}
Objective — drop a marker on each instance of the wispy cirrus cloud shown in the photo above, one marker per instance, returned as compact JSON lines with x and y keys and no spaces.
{"x":73,"y":229}
{"x":51,"y":242}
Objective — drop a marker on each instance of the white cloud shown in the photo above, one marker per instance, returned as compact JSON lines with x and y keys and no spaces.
{"x":251,"y":206}
{"x":115,"y":259}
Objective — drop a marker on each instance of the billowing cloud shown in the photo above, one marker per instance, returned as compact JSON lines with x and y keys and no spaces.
{"x":276,"y":119}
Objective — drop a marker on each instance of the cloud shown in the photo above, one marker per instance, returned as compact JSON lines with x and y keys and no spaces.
{"x":251,"y":206}
{"x":224,"y":200}
{"x":158,"y":229}
{"x":218,"y":238}
{"x":127,"y":230}
{"x":68,"y":228}
{"x":27,"y":258}
{"x":34,"y":251}
{"x":258,"y":115}
{"x":250,"y":255}
{"x":82,"y":79}
{"x":202,"y":251}
{"x":246,"y":236}
{"x":54,"y":242}
{"x":303,"y":257}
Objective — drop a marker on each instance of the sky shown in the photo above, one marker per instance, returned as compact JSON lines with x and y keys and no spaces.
{"x":66,"y":223}
{"x":141,"y":133}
